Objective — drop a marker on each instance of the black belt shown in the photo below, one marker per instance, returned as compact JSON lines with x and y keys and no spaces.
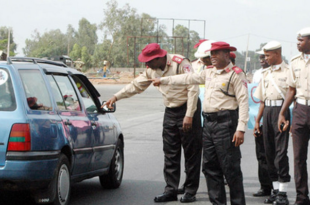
{"x":210,"y":116}
{"x":220,"y":115}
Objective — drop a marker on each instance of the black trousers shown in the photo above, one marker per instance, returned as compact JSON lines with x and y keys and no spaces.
{"x":263,"y":176}
{"x":276,"y":144}
{"x":222,"y":158}
{"x":300,"y":132}
{"x":173,"y":139}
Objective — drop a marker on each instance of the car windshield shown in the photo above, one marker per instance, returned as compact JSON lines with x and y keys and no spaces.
{"x":7,"y":96}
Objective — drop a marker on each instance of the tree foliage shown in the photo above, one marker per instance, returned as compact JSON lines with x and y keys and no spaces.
{"x":50,"y":44}
{"x":87,"y":35}
{"x":4,"y":31}
{"x":126,"y":33}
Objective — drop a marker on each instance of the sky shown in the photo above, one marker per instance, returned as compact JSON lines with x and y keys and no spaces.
{"x":236,"y":22}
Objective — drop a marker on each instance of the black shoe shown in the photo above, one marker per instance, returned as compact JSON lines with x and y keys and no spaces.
{"x":262,"y":192}
{"x":272,"y":197}
{"x":281,"y":199}
{"x":187,"y":198}
{"x":181,"y":190}
{"x":166,"y":197}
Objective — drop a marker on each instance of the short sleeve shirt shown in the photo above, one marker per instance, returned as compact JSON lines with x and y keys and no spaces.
{"x":266,"y":89}
{"x":299,"y":77}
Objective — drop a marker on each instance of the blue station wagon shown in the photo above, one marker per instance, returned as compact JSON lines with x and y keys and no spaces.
{"x":53,"y":131}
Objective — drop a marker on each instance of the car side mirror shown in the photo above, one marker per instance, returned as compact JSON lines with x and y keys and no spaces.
{"x":106,"y":109}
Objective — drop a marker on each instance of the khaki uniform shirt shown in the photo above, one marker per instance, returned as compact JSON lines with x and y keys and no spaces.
{"x":299,"y":77}
{"x":174,"y":95}
{"x":266,"y":89}
{"x":214,"y":99}
{"x":197,"y":65}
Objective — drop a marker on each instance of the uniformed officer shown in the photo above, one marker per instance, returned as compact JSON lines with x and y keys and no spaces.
{"x":299,"y":87}
{"x":225,"y":110}
{"x":271,"y":91}
{"x":182,"y":122}
{"x":203,"y":56}
{"x":263,"y":176}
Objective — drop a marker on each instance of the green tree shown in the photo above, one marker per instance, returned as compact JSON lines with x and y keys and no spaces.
{"x":122,"y":25}
{"x":4,"y":31}
{"x":75,"y":54}
{"x":86,"y":58}
{"x":185,"y":45}
{"x":50,"y":44}
{"x":101,"y":53}
{"x":71,"y":38}
{"x":87,"y":35}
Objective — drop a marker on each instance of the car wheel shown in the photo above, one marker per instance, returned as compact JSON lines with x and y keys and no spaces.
{"x":63,"y":183}
{"x":114,"y":178}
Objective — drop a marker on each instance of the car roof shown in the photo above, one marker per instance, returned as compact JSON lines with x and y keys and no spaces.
{"x":47,"y":65}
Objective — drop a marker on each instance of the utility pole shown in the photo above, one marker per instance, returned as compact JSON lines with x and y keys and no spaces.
{"x":9,"y":39}
{"x":246,"y":54}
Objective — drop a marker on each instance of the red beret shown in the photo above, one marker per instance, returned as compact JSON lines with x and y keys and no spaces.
{"x":150,"y":52}
{"x":221,"y":46}
{"x":232,"y":55}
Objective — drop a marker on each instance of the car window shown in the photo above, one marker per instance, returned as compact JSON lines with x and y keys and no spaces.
{"x":86,"y":96}
{"x":35,"y":89}
{"x":64,"y":93}
{"x":7,"y":96}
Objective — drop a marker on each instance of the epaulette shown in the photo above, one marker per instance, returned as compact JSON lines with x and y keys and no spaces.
{"x":237,"y":69}
{"x":295,"y":57}
{"x":177,"y":59}
{"x":210,"y":66}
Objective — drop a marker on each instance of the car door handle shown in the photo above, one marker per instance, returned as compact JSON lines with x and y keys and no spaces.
{"x":68,"y":122}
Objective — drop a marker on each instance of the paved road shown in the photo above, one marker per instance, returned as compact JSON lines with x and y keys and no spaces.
{"x":141,"y":120}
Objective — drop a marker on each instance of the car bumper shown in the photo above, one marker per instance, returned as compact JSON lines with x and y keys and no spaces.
{"x":27,"y":172}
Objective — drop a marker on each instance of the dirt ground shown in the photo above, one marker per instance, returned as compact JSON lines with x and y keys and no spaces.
{"x":112,"y":78}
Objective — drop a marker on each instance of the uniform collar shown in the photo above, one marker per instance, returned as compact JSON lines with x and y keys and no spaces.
{"x":306,"y":57}
{"x":277,"y":67}
{"x":227,"y":69}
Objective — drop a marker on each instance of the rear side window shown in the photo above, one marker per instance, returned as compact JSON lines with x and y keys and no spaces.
{"x":7,"y":96}
{"x":64,"y":93}
{"x":35,"y":89}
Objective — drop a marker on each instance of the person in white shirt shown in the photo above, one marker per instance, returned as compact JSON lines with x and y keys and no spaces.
{"x":263,"y":176}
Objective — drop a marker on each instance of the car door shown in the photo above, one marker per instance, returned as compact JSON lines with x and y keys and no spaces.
{"x":75,"y":121}
{"x":104,"y":136}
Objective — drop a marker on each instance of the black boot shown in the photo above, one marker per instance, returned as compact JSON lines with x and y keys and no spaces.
{"x":281,"y":199}
{"x":272,"y":197}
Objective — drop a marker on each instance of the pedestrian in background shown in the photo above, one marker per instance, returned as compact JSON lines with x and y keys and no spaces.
{"x":263,"y":176}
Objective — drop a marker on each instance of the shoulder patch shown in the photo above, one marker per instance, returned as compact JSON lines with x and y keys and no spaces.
{"x":187,"y":68}
{"x":177,"y":59}
{"x":237,"y":69}
{"x":210,"y":66}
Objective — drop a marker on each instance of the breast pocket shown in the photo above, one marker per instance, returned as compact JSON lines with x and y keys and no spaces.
{"x":282,"y":83}
{"x":222,"y":87}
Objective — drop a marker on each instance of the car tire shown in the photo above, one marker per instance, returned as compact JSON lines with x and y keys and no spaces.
{"x":63,"y":182}
{"x":114,"y":178}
